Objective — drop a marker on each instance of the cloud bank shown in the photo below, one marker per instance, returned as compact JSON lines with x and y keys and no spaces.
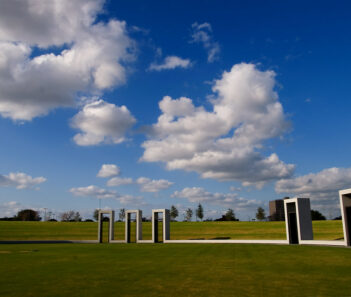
{"x":10,"y":209}
{"x":322,"y":187}
{"x":231,"y":200}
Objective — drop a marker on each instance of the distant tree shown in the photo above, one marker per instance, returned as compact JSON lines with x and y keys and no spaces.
{"x":200,"y":212}
{"x":260,"y":214}
{"x":49,"y":216}
{"x":28,"y":215}
{"x":188,"y":214}
{"x":77,"y":217}
{"x":337,"y":218}
{"x":230,"y":215}
{"x":96,"y":214}
{"x":122,"y":214}
{"x":174,"y":212}
{"x":88,"y":220}
{"x":14,"y":218}
{"x":317,"y":216}
{"x":67,"y":216}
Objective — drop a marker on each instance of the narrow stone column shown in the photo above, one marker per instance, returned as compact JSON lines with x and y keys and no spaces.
{"x":166,"y":225}
{"x":99,"y":227}
{"x":112,"y":226}
{"x":139,"y":227}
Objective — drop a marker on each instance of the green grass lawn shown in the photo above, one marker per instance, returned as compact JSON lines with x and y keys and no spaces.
{"x":323,"y":230}
{"x":173,"y":270}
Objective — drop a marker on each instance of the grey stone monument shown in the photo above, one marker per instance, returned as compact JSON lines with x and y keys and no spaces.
{"x":345,"y":205}
{"x":298,"y":220}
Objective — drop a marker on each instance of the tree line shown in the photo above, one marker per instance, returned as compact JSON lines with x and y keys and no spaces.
{"x":199,"y":214}
{"x":74,"y":216}
{"x":229,"y":215}
{"x":34,"y":215}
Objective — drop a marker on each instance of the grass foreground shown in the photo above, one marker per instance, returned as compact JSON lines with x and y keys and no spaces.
{"x":173,"y":270}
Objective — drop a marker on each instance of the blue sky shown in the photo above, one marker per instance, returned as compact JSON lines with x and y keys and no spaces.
{"x":230,"y":104}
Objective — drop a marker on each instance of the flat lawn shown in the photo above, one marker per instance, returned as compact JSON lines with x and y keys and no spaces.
{"x":323,"y":230}
{"x":173,"y":270}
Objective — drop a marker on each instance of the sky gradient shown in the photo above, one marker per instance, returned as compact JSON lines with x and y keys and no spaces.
{"x":146,"y":105}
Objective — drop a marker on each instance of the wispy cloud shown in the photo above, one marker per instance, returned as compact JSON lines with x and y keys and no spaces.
{"x":171,"y":62}
{"x":202,"y":33}
{"x":119,"y":181}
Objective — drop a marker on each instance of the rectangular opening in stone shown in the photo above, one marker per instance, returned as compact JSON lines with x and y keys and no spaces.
{"x":131,"y":228}
{"x":293,"y":234}
{"x":348,"y":220}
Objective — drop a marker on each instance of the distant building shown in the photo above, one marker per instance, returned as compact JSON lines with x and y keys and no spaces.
{"x":276,"y":210}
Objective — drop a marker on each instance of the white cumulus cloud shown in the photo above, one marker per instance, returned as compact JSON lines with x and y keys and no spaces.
{"x":108,"y":170}
{"x":20,"y":180}
{"x":78,"y":54}
{"x":102,"y":122}
{"x":200,"y":195}
{"x":202,"y":33}
{"x":131,"y":200}
{"x":171,"y":62}
{"x":100,"y":193}
{"x":223,"y":143}
{"x":93,"y":191}
{"x":321,"y":187}
{"x":119,"y":181}
{"x":153,"y":185}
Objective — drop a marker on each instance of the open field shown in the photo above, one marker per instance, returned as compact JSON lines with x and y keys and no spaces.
{"x":323,"y":230}
{"x":173,"y":270}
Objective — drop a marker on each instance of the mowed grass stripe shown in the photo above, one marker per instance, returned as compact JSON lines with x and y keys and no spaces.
{"x":174,"y":270}
{"x":323,"y":230}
